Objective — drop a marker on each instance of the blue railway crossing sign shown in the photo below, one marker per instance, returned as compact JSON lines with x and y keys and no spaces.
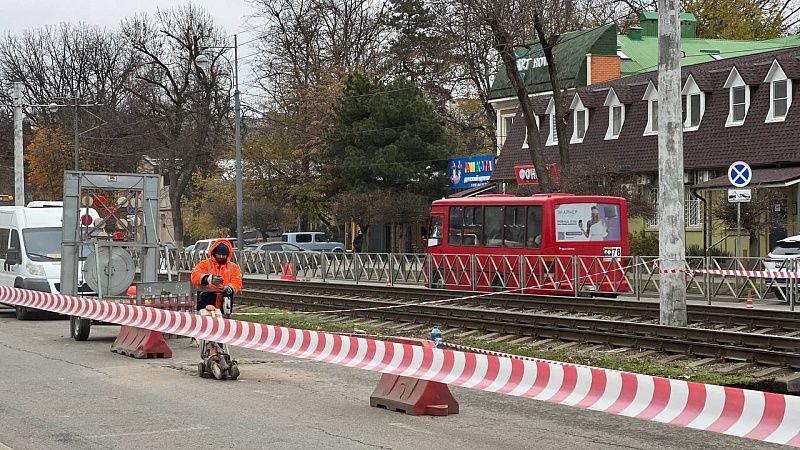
{"x":740,"y":174}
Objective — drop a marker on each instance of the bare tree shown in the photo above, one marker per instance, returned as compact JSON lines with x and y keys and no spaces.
{"x":58,"y":64}
{"x":187,"y":109}
{"x":308,"y":49}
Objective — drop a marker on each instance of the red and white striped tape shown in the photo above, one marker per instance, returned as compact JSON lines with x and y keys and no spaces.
{"x":739,"y":273}
{"x":756,"y":415}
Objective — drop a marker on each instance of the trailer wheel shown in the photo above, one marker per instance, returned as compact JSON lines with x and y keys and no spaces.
{"x":79,"y":328}
{"x":22,"y":313}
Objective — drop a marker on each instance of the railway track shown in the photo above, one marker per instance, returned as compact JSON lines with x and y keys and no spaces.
{"x":563,"y":319}
{"x":701,"y":316}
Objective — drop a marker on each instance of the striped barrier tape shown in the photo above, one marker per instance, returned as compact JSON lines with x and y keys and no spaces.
{"x":738,"y":412}
{"x":739,"y":273}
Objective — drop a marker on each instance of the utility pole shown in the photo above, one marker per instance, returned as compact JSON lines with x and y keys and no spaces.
{"x":671,"y":245}
{"x":238,"y":136}
{"x":19,"y":160}
{"x":77,"y":151}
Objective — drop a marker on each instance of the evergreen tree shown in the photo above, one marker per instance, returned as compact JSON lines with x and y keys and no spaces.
{"x":386,"y":137}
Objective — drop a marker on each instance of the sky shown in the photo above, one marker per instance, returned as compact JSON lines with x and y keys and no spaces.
{"x":233,"y":16}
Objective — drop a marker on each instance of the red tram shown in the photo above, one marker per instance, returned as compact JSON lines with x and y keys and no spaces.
{"x":542,"y":244}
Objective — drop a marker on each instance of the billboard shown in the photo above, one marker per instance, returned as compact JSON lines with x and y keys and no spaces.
{"x":587,"y":222}
{"x":470,"y":171}
{"x":526,"y":174}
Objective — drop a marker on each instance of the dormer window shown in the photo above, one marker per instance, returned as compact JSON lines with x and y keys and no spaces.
{"x":580,"y":120}
{"x":738,"y":99}
{"x":552,"y":136}
{"x":536,"y":119}
{"x":616,"y":115}
{"x":651,"y":97}
{"x":694,"y":105}
{"x":780,"y":93}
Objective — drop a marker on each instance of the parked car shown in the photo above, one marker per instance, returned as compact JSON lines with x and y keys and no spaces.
{"x":315,"y":241}
{"x":273,"y":247}
{"x":200,"y":247}
{"x":781,"y":257}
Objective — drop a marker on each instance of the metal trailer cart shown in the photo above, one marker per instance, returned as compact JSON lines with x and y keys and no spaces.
{"x":116,"y":250}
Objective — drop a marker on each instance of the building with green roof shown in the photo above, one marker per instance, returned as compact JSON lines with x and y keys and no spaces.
{"x":599,"y":54}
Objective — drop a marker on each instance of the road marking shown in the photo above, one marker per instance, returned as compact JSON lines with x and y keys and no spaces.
{"x":5,"y":447}
{"x":145,"y":433}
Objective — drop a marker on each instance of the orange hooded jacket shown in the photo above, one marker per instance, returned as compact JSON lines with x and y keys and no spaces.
{"x":230,"y":272}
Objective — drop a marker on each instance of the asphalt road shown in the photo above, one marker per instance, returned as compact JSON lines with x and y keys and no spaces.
{"x":59,"y":394}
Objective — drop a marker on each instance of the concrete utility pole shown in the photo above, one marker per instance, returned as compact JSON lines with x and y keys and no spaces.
{"x":671,"y":246}
{"x":19,"y":160}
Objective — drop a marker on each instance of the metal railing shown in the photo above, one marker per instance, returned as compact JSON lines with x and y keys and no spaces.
{"x":706,"y":277}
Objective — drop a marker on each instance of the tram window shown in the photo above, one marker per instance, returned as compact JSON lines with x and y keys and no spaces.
{"x":514,"y":226}
{"x":456,"y":221}
{"x":534,"y":237}
{"x":473,"y":225}
{"x":493,"y":226}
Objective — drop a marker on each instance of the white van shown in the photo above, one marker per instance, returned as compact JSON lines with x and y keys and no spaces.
{"x":30,"y":248}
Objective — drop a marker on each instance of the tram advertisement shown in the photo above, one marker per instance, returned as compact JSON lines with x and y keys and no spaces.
{"x":587,"y":222}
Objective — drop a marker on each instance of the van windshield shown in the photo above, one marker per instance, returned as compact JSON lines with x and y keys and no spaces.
{"x":44,"y":244}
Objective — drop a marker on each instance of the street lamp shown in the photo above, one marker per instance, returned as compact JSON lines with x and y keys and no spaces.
{"x":53,"y":108}
{"x":204,"y":63}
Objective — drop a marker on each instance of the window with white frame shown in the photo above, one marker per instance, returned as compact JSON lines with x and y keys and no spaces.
{"x":780,"y":93}
{"x":738,"y":99}
{"x":651,"y":97}
{"x":694,"y":105}
{"x":525,"y":144}
{"x":692,"y":210}
{"x":580,"y":120}
{"x":616,"y":115}
{"x":505,"y":128}
{"x":552,"y":136}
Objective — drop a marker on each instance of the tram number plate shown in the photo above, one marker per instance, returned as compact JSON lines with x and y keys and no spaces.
{"x":612,"y":252}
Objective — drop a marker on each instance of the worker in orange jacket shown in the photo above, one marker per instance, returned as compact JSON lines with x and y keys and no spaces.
{"x":217,"y":275}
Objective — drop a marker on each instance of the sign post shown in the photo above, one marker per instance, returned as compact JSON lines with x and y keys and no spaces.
{"x":740,"y":175}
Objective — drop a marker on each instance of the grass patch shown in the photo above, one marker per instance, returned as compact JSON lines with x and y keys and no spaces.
{"x":615,"y":363}
{"x":291,"y":319}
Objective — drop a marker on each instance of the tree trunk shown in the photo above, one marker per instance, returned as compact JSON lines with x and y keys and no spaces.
{"x":753,"y":249}
{"x":555,"y":84}
{"x":506,"y":50}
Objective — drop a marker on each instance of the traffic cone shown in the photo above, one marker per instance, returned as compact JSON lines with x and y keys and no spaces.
{"x":749,"y":303}
{"x":288,"y":273}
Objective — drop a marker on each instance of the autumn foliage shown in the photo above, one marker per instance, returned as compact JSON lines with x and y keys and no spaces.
{"x":48,"y":155}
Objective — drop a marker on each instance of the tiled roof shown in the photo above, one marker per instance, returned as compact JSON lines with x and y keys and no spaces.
{"x":712,"y":146}
{"x":782,"y":176}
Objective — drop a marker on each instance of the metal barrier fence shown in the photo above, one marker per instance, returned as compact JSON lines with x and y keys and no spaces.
{"x":706,"y":277}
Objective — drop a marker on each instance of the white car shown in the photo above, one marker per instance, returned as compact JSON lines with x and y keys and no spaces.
{"x":314,"y":241}
{"x":782,"y":258}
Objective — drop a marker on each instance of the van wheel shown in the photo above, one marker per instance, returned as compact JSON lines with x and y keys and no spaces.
{"x":22,"y":313}
{"x":79,"y":328}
